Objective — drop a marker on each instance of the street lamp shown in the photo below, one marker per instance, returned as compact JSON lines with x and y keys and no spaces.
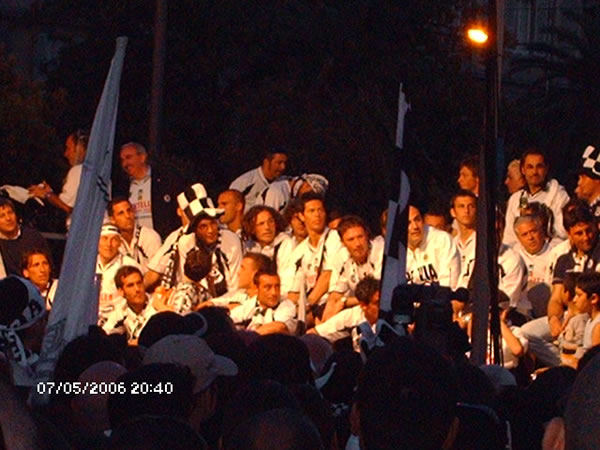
{"x":477,"y":35}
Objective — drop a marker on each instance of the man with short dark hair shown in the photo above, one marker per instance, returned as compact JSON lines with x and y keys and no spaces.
{"x":534,"y":167}
{"x":269,"y":313}
{"x":137,"y":241}
{"x":132,"y":308}
{"x":468,"y":174}
{"x":15,"y":239}
{"x":253,"y":182}
{"x":36,"y":266}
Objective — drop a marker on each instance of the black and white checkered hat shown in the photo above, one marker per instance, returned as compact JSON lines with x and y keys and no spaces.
{"x":195,"y":204}
{"x":590,"y":162}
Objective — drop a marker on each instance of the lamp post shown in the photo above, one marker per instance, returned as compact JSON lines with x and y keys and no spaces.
{"x":485,"y":286}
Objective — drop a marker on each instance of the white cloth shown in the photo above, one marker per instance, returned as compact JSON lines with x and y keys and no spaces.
{"x":123,"y":319}
{"x":342,"y":324}
{"x":71,"y":185}
{"x":250,"y":184}
{"x":512,"y":277}
{"x":436,"y":259}
{"x":252,"y":316}
{"x":140,"y":197}
{"x":187,"y":296}
{"x":554,"y":196}
{"x":19,"y":193}
{"x":144,"y":245}
{"x":351,"y":273}
{"x":276,"y":195}
{"x":509,"y":359}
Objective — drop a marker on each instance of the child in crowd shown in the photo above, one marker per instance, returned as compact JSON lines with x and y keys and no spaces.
{"x":570,"y":340}
{"x":587,"y":296}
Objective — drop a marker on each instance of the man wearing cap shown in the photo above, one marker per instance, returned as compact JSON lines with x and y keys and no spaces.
{"x":203,"y":230}
{"x":151,"y":190}
{"x":108,"y":263}
{"x":137,"y":241}
{"x":15,"y":239}
{"x":278,"y":194}
{"x":22,"y":322}
{"x":253,"y":182}
{"x":268,"y":313}
{"x":588,"y":183}
{"x":534,"y":167}
{"x":132,"y":308}
{"x":193,"y":352}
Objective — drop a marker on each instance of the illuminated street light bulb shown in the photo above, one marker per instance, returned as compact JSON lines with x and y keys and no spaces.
{"x":477,"y":35}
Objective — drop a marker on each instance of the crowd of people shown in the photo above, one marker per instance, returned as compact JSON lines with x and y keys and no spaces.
{"x":241,"y":320}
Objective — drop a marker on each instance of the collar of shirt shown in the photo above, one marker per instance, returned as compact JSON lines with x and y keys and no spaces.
{"x":143,"y":180}
{"x":14,"y":238}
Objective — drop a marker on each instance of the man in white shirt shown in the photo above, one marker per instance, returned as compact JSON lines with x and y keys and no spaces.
{"x":366,"y":258}
{"x":278,"y":194}
{"x":534,"y":167}
{"x":132,"y":309}
{"x":253,"y":182}
{"x":464,"y":211}
{"x":137,"y":241}
{"x":431,"y":256}
{"x":269,"y":313}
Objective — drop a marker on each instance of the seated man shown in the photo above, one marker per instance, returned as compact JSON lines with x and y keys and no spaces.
{"x":138,"y":242}
{"x":36,"y":267}
{"x":269,"y":313}
{"x":109,"y":262}
{"x":344,"y":323}
{"x":15,"y":239}
{"x":365,"y":260}
{"x":132,"y":309}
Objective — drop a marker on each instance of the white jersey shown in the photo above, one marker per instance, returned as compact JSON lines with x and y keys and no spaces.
{"x":250,"y":184}
{"x":140,"y":197}
{"x":186,"y":296}
{"x":436,"y":259}
{"x":123,"y":319}
{"x":554,"y":196}
{"x":108,"y":287}
{"x":227,"y":257}
{"x":309,"y":262}
{"x":70,"y":187}
{"x":351,"y":273}
{"x":280,"y":250}
{"x":251,"y":315}
{"x":539,"y":276}
{"x":512,"y":277}
{"x":143,"y":246}
{"x":276,"y":195}
{"x":466,"y":250}
{"x":342,"y":324}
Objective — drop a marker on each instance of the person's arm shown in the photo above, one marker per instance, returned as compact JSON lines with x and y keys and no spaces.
{"x":321,"y":287}
{"x":596,"y":336}
{"x":45,"y":192}
{"x":556,"y":309}
{"x":513,"y":343}
{"x":273,"y":328}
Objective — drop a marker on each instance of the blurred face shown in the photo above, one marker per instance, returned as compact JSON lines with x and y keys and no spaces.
{"x":232,"y":207}
{"x":467,"y":180}
{"x":123,"y":216}
{"x":436,"y":221}
{"x":133,"y":163}
{"x":9,"y":226}
{"x":264,"y":228}
{"x":314,"y":216}
{"x":464,"y":211}
{"x":207,"y":231}
{"x":133,"y":289}
{"x":269,"y":291}
{"x":274,"y":167}
{"x":588,"y":188}
{"x":70,"y":153}
{"x":356,"y":241}
{"x":514,"y":179}
{"x":583,"y":236}
{"x":530,"y":236}
{"x":416,"y":227}
{"x":38,"y":270}
{"x":583,"y":302}
{"x":246,"y":273}
{"x":108,"y":247}
{"x":535,"y":171}
{"x":371,"y":310}
{"x":298,"y":228}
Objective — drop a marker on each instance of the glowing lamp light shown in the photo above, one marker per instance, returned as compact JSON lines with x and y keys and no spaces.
{"x":477,"y":35}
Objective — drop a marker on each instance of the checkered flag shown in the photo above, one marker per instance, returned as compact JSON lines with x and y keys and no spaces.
{"x":591,"y":160}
